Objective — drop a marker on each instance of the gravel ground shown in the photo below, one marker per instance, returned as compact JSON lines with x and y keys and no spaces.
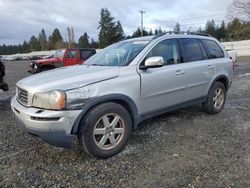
{"x":185,"y":148}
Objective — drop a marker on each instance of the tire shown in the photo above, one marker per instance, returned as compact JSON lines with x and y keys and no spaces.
{"x":98,"y":136}
{"x":216,"y":99}
{"x":5,"y":86}
{"x":45,"y":68}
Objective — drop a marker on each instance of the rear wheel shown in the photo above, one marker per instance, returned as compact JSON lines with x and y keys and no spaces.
{"x":105,"y":130}
{"x":216,"y":98}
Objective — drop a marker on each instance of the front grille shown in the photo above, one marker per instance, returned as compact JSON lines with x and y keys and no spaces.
{"x":22,"y":96}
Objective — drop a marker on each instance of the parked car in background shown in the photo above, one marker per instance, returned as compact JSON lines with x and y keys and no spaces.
{"x":126,"y":83}
{"x":26,"y":58}
{"x":233,"y":55}
{"x":48,"y":56}
{"x":3,"y":84}
{"x":9,"y":58}
{"x":62,"y":58}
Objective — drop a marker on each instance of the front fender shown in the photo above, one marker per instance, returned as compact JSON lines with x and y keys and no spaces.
{"x":124,"y":100}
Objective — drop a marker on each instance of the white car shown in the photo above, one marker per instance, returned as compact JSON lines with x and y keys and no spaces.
{"x":233,"y":55}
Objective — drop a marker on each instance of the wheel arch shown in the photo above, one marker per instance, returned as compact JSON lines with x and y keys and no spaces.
{"x":223,"y":79}
{"x":123,"y":100}
{"x":46,"y":66}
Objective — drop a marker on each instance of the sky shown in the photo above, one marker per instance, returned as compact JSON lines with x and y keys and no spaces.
{"x":20,"y":19}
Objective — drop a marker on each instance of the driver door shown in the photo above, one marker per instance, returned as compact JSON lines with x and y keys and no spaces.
{"x":164,"y":86}
{"x":72,"y":58}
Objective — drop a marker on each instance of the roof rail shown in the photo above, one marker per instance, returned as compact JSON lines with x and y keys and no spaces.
{"x":199,"y":33}
{"x":181,"y":32}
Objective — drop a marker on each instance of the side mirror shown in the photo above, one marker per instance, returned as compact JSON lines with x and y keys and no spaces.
{"x":153,"y":62}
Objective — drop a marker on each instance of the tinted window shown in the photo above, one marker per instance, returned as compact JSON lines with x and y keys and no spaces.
{"x":85,"y":54}
{"x":214,"y":50}
{"x":204,"y":53}
{"x":168,"y":50}
{"x":72,"y":54}
{"x":191,"y":50}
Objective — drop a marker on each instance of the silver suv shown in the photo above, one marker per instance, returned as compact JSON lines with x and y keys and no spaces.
{"x":124,"y":84}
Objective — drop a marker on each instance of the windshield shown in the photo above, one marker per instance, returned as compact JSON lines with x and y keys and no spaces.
{"x":119,"y":54}
{"x":59,"y":53}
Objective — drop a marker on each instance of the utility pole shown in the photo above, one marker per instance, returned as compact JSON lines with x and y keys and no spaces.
{"x":142,"y":12}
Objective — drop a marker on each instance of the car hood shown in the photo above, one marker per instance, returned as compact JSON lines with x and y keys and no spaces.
{"x":67,"y":78}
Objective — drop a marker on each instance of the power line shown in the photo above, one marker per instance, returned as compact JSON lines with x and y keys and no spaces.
{"x":203,"y":17}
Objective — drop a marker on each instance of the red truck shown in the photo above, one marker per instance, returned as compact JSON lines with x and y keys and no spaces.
{"x":62,"y":58}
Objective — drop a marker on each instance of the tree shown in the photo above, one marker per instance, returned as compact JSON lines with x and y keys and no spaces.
{"x":43,"y":40}
{"x":137,"y":33}
{"x":150,"y":32}
{"x":234,"y":30}
{"x":245,"y":30}
{"x":55,"y":40}
{"x":177,"y":28}
{"x":119,"y":33}
{"x":110,"y":31}
{"x":34,"y":44}
{"x":221,"y":32}
{"x":210,"y":28}
{"x":156,"y":31}
{"x":94,"y":44}
{"x":200,"y":30}
{"x":83,"y":41}
{"x":25,"y":47}
{"x":160,"y":30}
{"x":239,"y":9}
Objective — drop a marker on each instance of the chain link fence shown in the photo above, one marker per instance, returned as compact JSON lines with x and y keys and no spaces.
{"x":242,"y":48}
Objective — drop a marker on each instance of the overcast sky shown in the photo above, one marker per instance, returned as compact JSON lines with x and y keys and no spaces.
{"x":20,"y":19}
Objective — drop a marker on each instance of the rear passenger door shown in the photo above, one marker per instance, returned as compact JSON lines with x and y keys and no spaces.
{"x":164,"y":86}
{"x":198,"y":69}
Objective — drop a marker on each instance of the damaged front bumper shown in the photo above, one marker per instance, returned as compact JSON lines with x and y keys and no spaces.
{"x":53,"y":127}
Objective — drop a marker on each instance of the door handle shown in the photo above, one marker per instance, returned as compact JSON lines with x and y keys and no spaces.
{"x":179,"y":72}
{"x":211,"y":67}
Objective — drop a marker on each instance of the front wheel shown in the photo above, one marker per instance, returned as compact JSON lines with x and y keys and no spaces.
{"x":216,"y":98}
{"x":105,"y":130}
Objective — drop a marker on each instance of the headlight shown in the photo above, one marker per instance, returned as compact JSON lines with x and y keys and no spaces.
{"x":53,"y":100}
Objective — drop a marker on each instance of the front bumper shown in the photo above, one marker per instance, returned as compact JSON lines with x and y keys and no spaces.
{"x":33,"y":68}
{"x":53,"y":127}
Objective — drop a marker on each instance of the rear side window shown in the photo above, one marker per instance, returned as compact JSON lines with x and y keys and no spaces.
{"x":191,"y":50}
{"x":85,"y":54}
{"x":214,"y":50}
